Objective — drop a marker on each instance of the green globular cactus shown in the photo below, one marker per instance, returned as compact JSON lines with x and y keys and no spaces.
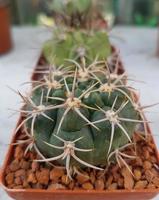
{"x":81,"y":118}
{"x":76,"y":44}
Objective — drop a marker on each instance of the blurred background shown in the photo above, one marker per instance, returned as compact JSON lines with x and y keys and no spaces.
{"x":128,"y":12}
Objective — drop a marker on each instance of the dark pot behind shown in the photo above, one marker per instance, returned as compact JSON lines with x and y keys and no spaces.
{"x":5,"y":33}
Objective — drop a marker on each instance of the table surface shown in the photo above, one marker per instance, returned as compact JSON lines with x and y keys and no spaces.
{"x":137,"y":47}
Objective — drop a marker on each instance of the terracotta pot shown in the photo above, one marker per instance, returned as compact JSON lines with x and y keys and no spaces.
{"x":5,"y":34}
{"x":39,"y":194}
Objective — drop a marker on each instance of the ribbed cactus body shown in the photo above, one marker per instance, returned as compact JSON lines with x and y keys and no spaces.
{"x":75,"y":44}
{"x":73,"y":126}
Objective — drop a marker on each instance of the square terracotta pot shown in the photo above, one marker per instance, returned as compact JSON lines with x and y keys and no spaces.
{"x":39,"y":194}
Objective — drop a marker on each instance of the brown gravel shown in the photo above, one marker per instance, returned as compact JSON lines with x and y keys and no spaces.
{"x":128,"y":178}
{"x":23,"y":172}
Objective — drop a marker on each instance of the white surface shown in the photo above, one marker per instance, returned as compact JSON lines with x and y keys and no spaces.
{"x":137,"y":50}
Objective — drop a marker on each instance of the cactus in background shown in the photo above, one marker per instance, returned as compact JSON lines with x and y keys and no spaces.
{"x":81,"y":117}
{"x":78,"y":34}
{"x":78,"y":13}
{"x":76,"y":44}
{"x":70,"y":7}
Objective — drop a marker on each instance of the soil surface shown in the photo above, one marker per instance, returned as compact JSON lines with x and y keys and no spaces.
{"x":143,"y":171}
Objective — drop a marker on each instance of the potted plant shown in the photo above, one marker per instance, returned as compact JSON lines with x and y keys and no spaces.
{"x":82,"y":132}
{"x":5,"y":35}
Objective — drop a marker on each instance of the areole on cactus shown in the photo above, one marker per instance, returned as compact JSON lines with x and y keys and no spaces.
{"x":80,"y":118}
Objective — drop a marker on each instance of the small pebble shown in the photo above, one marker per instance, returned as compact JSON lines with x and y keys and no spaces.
{"x":128,"y":179}
{"x":35,"y":166}
{"x":14,"y":166}
{"x":18,"y":181}
{"x":87,"y":186}
{"x":43,"y":176}
{"x":10,"y":178}
{"x":120,"y":182}
{"x":20,"y":172}
{"x":138,"y":162}
{"x":82,"y":178}
{"x":147,"y":165}
{"x":153,"y":159}
{"x":71,"y":185}
{"x":149,"y":176}
{"x":109,"y":181}
{"x":140,"y":185}
{"x":146,"y":154}
{"x":26,"y":184}
{"x":156,"y":182}
{"x":65,"y":179}
{"x":25,"y":164}
{"x":99,"y":184}
{"x":56,"y":173}
{"x":56,"y":186}
{"x":113,"y":186}
{"x":18,"y":153}
{"x":151,"y":186}
{"x":137,"y":174}
{"x":92,"y":177}
{"x":32,"y":178}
